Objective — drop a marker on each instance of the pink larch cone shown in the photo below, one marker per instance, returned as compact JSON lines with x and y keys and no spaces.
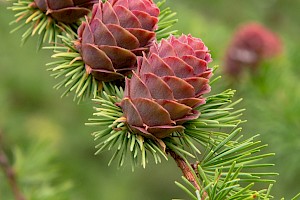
{"x":251,"y":44}
{"x":66,"y":11}
{"x":117,"y":32}
{"x":168,"y":87}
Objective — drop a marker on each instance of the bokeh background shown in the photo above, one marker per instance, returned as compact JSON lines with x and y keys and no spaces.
{"x":52,"y":150}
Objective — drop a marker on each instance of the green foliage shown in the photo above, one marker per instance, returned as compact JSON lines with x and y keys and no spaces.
{"x":38,"y":177}
{"x":272,"y":96}
{"x":71,"y":70}
{"x":166,"y":21}
{"x":35,"y":22}
{"x":215,"y":114}
{"x":220,"y":177}
{"x":228,"y":188}
{"x":221,"y":149}
{"x":114,"y":133}
{"x":216,"y":127}
{"x":231,"y":172}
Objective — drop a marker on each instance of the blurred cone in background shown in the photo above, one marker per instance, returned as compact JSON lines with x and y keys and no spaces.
{"x":251,"y":44}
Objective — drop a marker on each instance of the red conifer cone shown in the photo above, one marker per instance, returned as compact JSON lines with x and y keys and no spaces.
{"x":167,"y":87}
{"x":250,"y":45}
{"x":66,"y":11}
{"x":117,"y":31}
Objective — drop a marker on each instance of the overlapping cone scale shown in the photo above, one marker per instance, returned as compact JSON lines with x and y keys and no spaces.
{"x":167,"y":87}
{"x":66,"y":11}
{"x":117,"y":32}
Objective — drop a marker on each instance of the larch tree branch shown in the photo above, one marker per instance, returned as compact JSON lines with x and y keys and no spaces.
{"x":9,"y":173}
{"x":185,"y":168}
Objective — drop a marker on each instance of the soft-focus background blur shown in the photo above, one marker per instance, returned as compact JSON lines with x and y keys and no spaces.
{"x":45,"y":132}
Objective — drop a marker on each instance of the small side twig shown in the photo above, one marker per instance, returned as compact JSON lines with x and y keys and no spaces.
{"x":10,"y":174}
{"x":185,"y":168}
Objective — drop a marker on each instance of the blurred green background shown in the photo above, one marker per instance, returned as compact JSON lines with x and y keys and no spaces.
{"x":47,"y":132}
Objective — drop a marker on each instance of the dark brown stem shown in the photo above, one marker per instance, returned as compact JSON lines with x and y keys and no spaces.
{"x":10,"y":174}
{"x":185,"y":168}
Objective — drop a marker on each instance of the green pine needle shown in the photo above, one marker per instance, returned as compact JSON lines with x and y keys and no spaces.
{"x":41,"y":180}
{"x":296,"y":197}
{"x":221,"y":169}
{"x":215,"y":187}
{"x":228,"y":168}
{"x":165,"y":22}
{"x":35,"y":22}
{"x":209,"y":131}
{"x":70,"y":69}
{"x":186,"y":190}
{"x":71,"y":72}
{"x":114,"y":134}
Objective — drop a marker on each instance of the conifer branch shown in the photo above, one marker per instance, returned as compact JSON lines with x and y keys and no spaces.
{"x":185,"y":168}
{"x":9,"y":173}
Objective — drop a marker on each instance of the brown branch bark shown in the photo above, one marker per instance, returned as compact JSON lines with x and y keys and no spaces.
{"x":10,"y":174}
{"x":185,"y":168}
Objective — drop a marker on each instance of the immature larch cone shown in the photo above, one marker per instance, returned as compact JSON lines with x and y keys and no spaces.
{"x":66,"y":11}
{"x":117,"y":32}
{"x":251,"y":44}
{"x":167,"y":87}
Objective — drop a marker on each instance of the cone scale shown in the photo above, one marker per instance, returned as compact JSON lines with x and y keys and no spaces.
{"x":117,"y":32}
{"x":168,"y":87}
{"x":66,"y":11}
